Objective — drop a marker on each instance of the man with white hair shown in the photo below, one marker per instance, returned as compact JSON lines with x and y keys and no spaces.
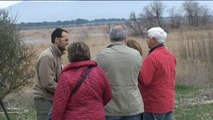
{"x":157,"y":78}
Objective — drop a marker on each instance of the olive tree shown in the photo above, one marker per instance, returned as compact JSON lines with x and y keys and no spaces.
{"x":16,"y":57}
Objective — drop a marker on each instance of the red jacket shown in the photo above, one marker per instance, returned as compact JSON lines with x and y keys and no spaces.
{"x":157,"y":81}
{"x":88,"y":101}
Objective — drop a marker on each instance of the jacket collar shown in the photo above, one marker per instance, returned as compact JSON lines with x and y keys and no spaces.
{"x":55,"y":50}
{"x":115,"y":43}
{"x":151,"y":50}
{"x":79,"y":64}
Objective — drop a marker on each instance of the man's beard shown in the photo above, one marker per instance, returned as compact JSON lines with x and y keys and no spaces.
{"x":62,"y":50}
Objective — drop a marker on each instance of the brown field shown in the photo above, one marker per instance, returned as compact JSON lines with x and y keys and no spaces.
{"x":191,"y":47}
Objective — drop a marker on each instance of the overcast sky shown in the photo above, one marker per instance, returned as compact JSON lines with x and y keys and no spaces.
{"x":35,"y":11}
{"x":4,"y":4}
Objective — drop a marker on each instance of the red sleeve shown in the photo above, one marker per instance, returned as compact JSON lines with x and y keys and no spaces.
{"x":62,"y":94}
{"x":107,"y":91}
{"x":147,"y":72}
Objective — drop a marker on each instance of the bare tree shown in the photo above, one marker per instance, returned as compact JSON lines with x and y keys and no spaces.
{"x":196,"y":14}
{"x":175,"y":18}
{"x":152,"y":14}
{"x":150,"y":17}
{"x":204,"y":16}
{"x":134,"y":25}
{"x":147,"y":17}
{"x":187,"y":6}
{"x":157,"y":8}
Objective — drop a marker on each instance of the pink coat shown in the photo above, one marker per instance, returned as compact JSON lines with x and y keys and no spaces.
{"x":89,"y":100}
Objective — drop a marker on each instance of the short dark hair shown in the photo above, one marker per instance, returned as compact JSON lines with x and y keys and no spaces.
{"x":78,"y":51}
{"x":57,"y":33}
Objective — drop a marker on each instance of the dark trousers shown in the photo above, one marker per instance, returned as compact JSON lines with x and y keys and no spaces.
{"x":157,"y":116}
{"x":132,"y":117}
{"x":42,"y":107}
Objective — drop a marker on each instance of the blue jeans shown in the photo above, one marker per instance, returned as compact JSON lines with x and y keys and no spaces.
{"x":157,"y":116}
{"x":133,"y":117}
{"x":49,"y":114}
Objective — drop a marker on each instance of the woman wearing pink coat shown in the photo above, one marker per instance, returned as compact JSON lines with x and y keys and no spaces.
{"x":87,"y":103}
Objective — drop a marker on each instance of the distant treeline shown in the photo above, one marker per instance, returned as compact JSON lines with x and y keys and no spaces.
{"x":77,"y":22}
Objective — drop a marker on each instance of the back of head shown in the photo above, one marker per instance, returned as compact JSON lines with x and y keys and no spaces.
{"x":135,"y":45}
{"x":78,"y":51}
{"x":158,"y":34}
{"x":57,"y":33}
{"x":118,"y":32}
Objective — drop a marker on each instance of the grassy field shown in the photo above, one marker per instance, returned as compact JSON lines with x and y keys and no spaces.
{"x":193,"y":49}
{"x":196,"y":112}
{"x":184,"y":110}
{"x":191,"y":104}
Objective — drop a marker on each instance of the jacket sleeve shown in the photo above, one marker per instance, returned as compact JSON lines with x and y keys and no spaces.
{"x":99,"y":60}
{"x":107,"y":94}
{"x":61,"y":97}
{"x":140,"y":81}
{"x":47,"y":74}
{"x":146,"y":73}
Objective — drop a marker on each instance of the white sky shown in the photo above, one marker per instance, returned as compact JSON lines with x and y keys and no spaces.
{"x":4,"y":4}
{"x":51,"y":11}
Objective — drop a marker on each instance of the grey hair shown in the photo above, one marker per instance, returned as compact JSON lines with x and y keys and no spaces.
{"x":158,"y":34}
{"x":118,"y":32}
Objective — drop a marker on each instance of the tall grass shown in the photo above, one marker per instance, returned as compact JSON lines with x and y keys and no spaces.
{"x":195,"y":57}
{"x":194,"y":54}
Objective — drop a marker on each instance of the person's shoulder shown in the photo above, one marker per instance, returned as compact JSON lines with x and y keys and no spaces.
{"x":172,"y":56}
{"x":132,"y":52}
{"x":97,"y":71}
{"x":160,"y":53}
{"x":98,"y":68}
{"x":153,"y":55}
{"x":171,"y":53}
{"x":46,"y":54}
{"x":103,"y":52}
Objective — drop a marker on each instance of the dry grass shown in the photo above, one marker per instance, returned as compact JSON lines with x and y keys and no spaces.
{"x":191,"y":47}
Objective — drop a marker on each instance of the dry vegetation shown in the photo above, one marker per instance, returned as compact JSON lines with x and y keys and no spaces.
{"x":193,"y":49}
